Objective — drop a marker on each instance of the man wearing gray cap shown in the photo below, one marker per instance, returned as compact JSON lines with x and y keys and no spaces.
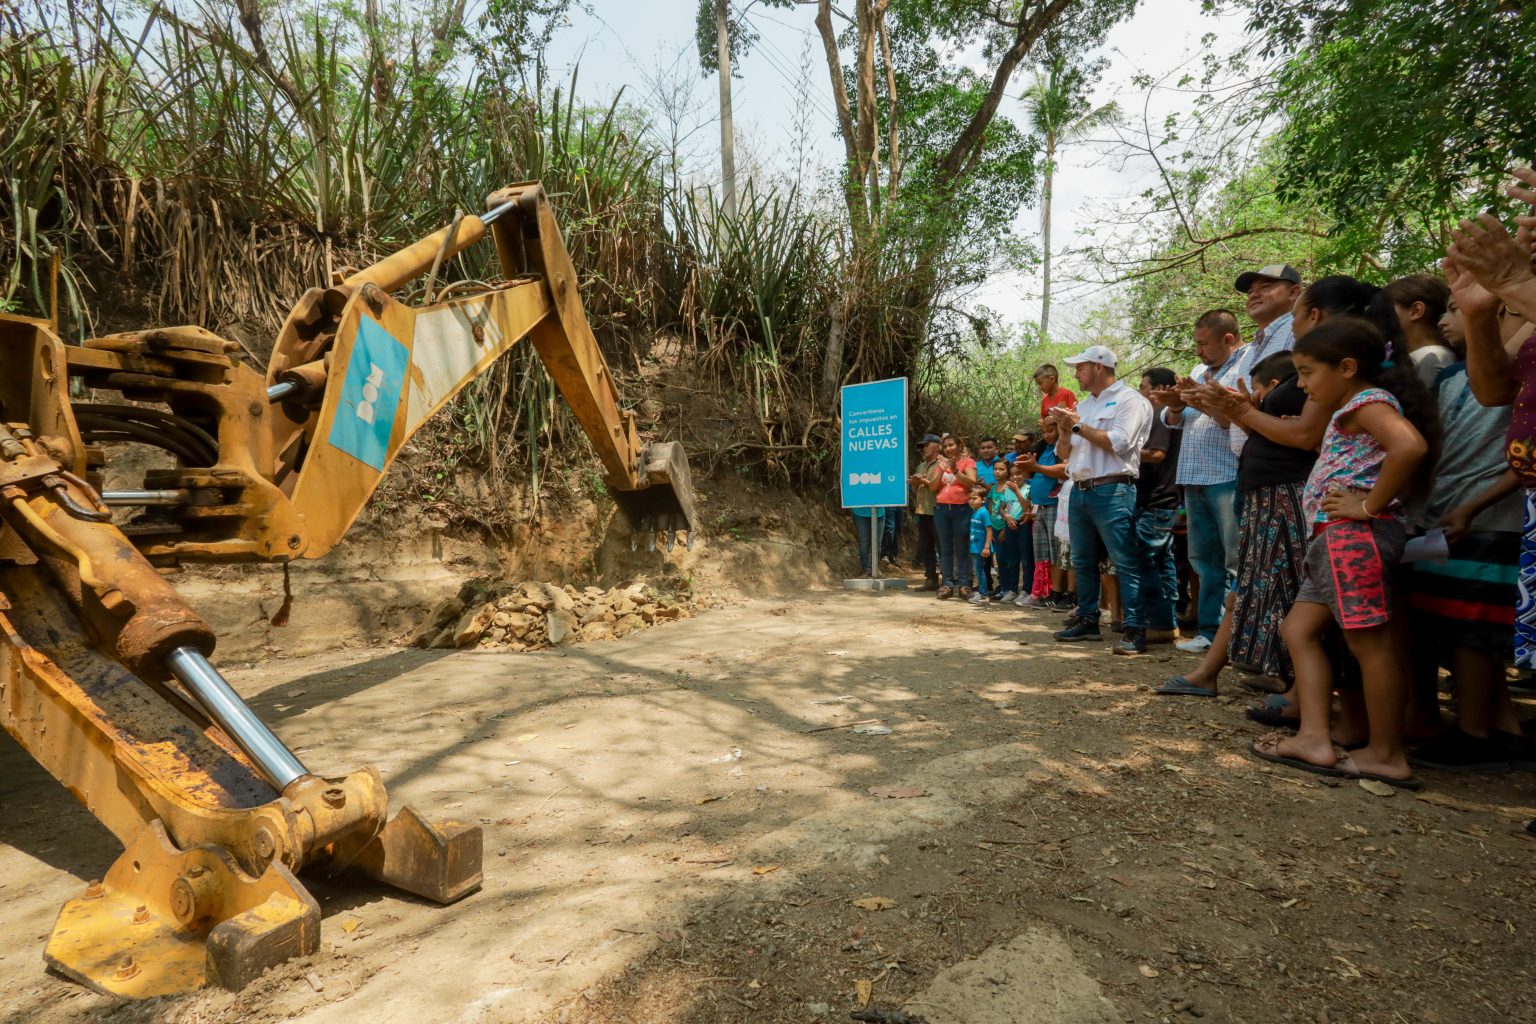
{"x":1101,"y":442}
{"x":923,"y":502}
{"x":1271,"y":293}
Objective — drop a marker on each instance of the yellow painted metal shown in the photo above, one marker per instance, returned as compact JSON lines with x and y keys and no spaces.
{"x":206,"y":891}
{"x":166,"y":920}
{"x":333,"y":487}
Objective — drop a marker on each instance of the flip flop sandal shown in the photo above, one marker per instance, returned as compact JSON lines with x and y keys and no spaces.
{"x":1294,"y":762}
{"x":1258,"y":682}
{"x":1268,"y":713}
{"x":1348,"y":770}
{"x":1178,"y":686}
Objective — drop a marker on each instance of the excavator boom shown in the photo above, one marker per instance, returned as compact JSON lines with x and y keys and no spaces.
{"x":105,"y":672}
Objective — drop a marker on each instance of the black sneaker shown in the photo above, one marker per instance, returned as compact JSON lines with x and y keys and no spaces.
{"x":1455,"y":751}
{"x":1132,"y":641}
{"x":1080,"y":630}
{"x":1519,"y":750}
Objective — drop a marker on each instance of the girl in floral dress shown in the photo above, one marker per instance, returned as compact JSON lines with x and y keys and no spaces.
{"x":1378,"y":445}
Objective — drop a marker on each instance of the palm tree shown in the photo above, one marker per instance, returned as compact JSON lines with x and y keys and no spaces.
{"x":1058,"y":109}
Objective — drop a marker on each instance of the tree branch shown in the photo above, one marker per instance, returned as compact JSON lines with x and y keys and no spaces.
{"x":965,"y":148}
{"x":250,"y":18}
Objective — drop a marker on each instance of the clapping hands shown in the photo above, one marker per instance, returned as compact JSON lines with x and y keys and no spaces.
{"x":1495,"y":261}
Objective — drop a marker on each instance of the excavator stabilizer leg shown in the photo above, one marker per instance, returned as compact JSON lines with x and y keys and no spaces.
{"x":166,"y":920}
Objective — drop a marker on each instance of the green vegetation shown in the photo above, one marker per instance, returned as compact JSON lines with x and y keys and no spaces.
{"x":206,"y":161}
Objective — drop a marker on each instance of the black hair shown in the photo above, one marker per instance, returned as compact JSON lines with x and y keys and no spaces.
{"x":1160,"y":376}
{"x":1278,"y":366}
{"x":985,"y":440}
{"x":1426,"y":288}
{"x":1353,"y":337}
{"x":1222,"y":321}
{"x":1049,"y":368}
{"x":1342,"y":295}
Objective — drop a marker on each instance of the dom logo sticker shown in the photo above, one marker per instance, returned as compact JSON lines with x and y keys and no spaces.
{"x":370,"y":395}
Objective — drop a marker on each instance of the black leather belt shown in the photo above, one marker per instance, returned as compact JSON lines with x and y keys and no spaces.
{"x":1104,"y":481}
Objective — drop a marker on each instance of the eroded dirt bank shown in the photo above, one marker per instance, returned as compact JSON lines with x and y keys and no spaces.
{"x":1083,"y":851}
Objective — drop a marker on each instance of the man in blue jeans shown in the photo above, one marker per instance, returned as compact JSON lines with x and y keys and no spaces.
{"x":1207,"y":471}
{"x":1101,"y":442}
{"x":1157,"y":507}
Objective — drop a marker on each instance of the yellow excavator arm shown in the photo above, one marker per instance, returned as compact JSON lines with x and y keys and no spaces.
{"x":105,"y":672}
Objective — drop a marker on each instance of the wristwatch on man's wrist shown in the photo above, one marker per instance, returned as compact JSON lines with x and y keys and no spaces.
{"x":1077,"y":428}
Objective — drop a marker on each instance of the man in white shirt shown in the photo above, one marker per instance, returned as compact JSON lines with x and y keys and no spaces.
{"x":1101,"y":442}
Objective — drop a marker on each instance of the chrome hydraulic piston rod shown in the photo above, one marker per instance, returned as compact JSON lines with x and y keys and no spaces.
{"x":177,"y":497}
{"x":275,"y":761}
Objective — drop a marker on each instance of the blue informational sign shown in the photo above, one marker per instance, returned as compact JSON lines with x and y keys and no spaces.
{"x":370,"y":395}
{"x":874,"y":468}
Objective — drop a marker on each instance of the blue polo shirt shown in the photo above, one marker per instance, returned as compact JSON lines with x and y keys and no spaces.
{"x":1040,"y":485}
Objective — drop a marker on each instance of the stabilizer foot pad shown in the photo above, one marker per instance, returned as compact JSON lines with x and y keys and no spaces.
{"x":437,"y":860}
{"x":166,"y":920}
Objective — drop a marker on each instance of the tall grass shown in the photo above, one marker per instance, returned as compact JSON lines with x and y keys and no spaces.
{"x":178,"y":173}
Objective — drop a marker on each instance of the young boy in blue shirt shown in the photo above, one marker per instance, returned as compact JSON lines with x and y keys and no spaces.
{"x":981,"y":542}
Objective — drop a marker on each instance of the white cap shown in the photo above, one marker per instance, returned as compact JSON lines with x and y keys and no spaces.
{"x":1093,"y":354}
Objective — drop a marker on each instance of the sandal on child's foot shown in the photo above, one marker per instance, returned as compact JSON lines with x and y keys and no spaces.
{"x":1349,"y":770}
{"x":1266,"y":748}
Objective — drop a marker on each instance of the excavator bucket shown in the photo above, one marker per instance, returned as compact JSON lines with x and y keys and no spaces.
{"x":664,"y":502}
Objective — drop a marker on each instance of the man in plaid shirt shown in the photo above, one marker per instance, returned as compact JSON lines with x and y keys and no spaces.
{"x":1208,"y":472}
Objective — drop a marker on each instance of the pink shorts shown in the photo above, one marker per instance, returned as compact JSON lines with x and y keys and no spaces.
{"x":1349,"y":568}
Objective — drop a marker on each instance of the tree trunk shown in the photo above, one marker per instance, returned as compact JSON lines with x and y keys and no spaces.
{"x":832,"y":364}
{"x":727,"y":132}
{"x":853,"y":178}
{"x":1045,"y":236}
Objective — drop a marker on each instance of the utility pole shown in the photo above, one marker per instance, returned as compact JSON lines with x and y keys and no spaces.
{"x":727,"y":132}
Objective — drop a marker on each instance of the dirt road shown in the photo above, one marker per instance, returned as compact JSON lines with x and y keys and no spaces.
{"x":1081,"y":852}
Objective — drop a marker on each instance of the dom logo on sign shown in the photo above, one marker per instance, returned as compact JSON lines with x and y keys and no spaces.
{"x":370,"y":395}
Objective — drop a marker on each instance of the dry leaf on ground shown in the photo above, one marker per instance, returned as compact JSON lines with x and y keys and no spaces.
{"x":874,"y":903}
{"x":897,"y":792}
{"x":863,"y":990}
{"x":765,"y":869}
{"x":1375,"y":788}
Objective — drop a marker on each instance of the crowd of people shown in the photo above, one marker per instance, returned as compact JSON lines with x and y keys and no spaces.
{"x":1341,"y":507}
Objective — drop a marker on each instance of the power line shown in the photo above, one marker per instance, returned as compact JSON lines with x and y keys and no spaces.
{"x":791,"y":80}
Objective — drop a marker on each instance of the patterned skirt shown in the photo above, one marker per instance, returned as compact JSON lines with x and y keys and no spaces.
{"x":1525,"y":606}
{"x":1271,"y":551}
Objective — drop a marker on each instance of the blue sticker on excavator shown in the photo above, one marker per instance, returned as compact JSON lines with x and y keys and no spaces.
{"x":370,"y":395}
